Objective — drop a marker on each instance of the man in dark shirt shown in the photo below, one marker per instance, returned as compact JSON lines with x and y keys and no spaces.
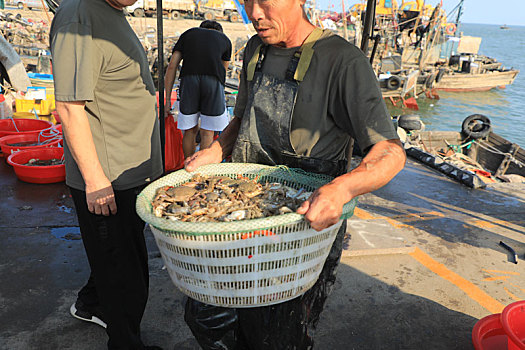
{"x":304,"y":94}
{"x":206,"y":53}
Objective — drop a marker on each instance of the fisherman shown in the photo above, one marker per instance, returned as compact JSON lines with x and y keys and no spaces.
{"x":304,"y":94}
{"x":205,"y":53}
{"x":106,"y":101}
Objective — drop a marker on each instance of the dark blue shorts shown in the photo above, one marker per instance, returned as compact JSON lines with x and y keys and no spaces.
{"x":202,"y":94}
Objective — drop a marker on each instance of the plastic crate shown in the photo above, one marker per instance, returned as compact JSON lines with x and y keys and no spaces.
{"x":42,"y":107}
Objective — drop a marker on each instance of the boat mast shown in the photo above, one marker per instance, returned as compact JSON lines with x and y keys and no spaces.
{"x":460,"y":7}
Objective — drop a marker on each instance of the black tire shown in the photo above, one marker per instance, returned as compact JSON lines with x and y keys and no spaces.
{"x":393,"y":83}
{"x":174,"y":15}
{"x":233,"y":17}
{"x":20,"y":5}
{"x":209,"y":16}
{"x":138,"y":12}
{"x":410,"y":122}
{"x":476,"y":126}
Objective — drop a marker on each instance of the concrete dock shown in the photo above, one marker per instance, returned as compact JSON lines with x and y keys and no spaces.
{"x":422,"y":265}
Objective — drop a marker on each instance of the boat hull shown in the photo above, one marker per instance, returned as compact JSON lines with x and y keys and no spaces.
{"x":476,"y":82}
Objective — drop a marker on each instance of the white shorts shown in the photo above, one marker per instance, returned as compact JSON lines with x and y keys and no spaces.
{"x":213,"y":123}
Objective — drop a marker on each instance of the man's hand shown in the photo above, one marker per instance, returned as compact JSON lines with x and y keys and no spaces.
{"x":219,"y":149}
{"x":324,"y":207}
{"x":100,"y":198}
{"x":206,"y":156}
{"x":99,"y":193}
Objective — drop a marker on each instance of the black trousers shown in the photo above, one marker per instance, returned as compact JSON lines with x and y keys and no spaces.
{"x":284,"y":326}
{"x":119,"y":280}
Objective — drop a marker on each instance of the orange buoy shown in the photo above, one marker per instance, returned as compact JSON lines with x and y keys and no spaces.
{"x":450,"y":29}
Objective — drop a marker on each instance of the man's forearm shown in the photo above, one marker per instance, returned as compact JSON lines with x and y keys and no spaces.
{"x":80,"y":141}
{"x":171,"y":73}
{"x":169,"y":79}
{"x":384,"y":160}
{"x":228,"y":136}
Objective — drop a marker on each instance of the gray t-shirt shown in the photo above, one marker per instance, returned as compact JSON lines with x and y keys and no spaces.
{"x":339,"y":98}
{"x":97,"y":58}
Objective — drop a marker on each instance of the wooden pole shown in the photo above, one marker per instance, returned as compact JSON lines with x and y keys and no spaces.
{"x":45,"y":10}
{"x":345,"y":30}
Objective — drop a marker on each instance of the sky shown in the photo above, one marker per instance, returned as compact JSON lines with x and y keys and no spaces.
{"x":509,"y":12}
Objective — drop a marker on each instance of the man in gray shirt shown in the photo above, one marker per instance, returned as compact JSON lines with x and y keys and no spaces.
{"x":106,"y":101}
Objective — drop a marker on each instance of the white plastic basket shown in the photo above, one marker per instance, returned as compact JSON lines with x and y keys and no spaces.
{"x":257,"y":265}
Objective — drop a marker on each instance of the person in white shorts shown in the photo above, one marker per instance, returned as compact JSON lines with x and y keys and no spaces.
{"x":205,"y":52}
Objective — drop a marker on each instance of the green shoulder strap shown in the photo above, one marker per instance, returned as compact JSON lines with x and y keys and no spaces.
{"x":307,"y":52}
{"x":250,"y":71}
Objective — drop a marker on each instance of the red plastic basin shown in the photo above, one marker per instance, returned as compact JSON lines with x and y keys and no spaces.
{"x":23,"y":126}
{"x":488,"y":334}
{"x":53,"y":141}
{"x":513,"y":322}
{"x":38,"y":174}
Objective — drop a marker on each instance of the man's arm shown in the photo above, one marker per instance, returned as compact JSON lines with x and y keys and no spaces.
{"x":226,"y":64}
{"x":324,"y":207}
{"x":75,"y":126}
{"x":169,"y":77}
{"x":219,"y":149}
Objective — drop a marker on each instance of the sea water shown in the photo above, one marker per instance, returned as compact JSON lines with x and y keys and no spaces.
{"x":504,"y":107}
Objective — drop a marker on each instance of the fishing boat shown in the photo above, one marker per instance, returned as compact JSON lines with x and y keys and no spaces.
{"x":446,"y":59}
{"x":400,"y":88}
{"x":474,"y":156}
{"x":474,"y":73}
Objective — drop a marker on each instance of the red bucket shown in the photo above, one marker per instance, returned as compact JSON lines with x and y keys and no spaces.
{"x":23,"y":126}
{"x":6,"y":141}
{"x":58,"y":127}
{"x":38,"y":174}
{"x":513,"y":322}
{"x":488,"y":334}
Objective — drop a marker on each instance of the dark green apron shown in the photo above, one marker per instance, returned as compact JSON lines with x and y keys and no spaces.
{"x":264,"y":134}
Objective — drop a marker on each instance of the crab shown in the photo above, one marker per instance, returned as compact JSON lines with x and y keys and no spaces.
{"x":221,"y":198}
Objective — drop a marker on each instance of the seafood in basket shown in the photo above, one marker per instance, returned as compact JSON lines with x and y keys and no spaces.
{"x":209,"y":198}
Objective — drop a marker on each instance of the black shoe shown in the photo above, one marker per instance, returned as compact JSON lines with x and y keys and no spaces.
{"x":152,"y":347}
{"x":85,"y":313}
